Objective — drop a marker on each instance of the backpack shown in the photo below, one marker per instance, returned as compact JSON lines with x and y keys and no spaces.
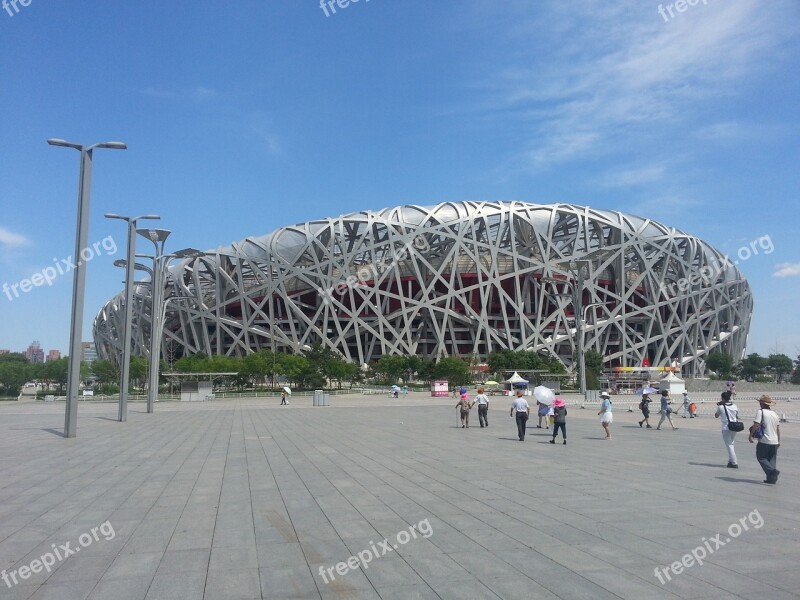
{"x":641,"y":405}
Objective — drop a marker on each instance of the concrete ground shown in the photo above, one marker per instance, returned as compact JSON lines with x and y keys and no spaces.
{"x":249,"y":499}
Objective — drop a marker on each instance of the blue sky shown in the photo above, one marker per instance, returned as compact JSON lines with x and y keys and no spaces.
{"x":248,"y":116}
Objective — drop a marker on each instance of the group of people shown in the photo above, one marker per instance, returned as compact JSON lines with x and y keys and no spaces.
{"x":765,"y":428}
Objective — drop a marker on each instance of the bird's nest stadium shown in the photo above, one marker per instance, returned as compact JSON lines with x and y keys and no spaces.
{"x":455,"y":279}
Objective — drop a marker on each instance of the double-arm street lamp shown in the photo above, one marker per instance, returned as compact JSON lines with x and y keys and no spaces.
{"x":79,"y":276}
{"x":126,"y":338}
{"x":157,"y":316}
{"x":575,"y":267}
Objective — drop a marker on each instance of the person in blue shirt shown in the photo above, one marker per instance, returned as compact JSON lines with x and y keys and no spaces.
{"x":666,"y":410}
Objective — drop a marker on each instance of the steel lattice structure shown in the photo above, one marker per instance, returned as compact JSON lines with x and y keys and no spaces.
{"x":458,"y":278}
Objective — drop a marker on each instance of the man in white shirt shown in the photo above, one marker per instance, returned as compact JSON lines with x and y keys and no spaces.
{"x":483,"y":407}
{"x":770,"y":440}
{"x":523,"y":412}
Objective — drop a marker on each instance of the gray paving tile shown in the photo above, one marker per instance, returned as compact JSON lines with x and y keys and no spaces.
{"x":185,"y":585}
{"x":246,"y":500}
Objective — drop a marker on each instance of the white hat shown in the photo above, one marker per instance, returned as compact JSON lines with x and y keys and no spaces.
{"x":606,"y":394}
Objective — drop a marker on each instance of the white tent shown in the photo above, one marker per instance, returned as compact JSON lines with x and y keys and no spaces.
{"x":515,"y":378}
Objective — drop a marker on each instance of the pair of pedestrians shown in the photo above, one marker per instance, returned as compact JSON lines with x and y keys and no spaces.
{"x":765,"y":429}
{"x":523,"y":410}
{"x":483,"y":408}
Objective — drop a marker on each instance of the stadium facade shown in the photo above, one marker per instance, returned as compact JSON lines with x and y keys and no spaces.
{"x":458,"y":278}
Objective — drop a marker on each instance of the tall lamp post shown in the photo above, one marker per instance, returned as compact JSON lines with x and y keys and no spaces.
{"x":158,"y":279}
{"x":575,"y":267}
{"x":79,"y":276}
{"x":122,"y":414}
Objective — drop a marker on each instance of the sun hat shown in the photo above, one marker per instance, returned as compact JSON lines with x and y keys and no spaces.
{"x":605,"y":395}
{"x":766,"y":400}
{"x":558,"y":402}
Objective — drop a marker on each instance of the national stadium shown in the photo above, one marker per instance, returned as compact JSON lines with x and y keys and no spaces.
{"x":455,"y":279}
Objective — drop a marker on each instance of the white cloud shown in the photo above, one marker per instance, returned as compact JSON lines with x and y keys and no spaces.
{"x":11,"y":239}
{"x":605,"y":71}
{"x":634,"y":176}
{"x":787,"y":270}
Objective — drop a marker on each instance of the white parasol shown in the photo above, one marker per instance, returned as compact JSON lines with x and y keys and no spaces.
{"x":287,"y":390}
{"x":544,"y":394}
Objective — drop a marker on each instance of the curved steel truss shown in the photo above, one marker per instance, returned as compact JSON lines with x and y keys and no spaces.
{"x":453,"y":279}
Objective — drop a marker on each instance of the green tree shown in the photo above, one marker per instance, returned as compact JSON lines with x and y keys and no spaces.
{"x":454,"y":370}
{"x":257,"y":366}
{"x":796,"y":372}
{"x":720,"y":363}
{"x":138,"y":371}
{"x":752,"y":367}
{"x":340,"y":370}
{"x":57,"y":371}
{"x":781,"y":364}
{"x":299,"y":370}
{"x":593,"y":361}
{"x":105,"y":371}
{"x":13,"y":375}
{"x":391,"y":367}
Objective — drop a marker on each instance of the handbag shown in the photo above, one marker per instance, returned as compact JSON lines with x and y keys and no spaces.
{"x":732,"y":425}
{"x":759,"y":433}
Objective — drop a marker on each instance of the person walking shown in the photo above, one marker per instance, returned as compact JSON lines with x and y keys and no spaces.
{"x":465,"y":405}
{"x":666,"y":410}
{"x":483,"y":407}
{"x":283,"y":398}
{"x":644,"y":406}
{"x":686,"y":401}
{"x":520,"y":404}
{"x":728,"y":414}
{"x":559,"y":420}
{"x":543,"y":412}
{"x":606,"y":418}
{"x":766,"y":428}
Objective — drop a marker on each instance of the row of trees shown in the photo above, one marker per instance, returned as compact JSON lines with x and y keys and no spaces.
{"x":775,"y":367}
{"x":320,"y":365}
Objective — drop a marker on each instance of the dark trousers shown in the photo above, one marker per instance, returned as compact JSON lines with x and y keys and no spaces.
{"x":767,"y":456}
{"x":483,"y":414}
{"x":563,"y":427}
{"x":522,"y":420}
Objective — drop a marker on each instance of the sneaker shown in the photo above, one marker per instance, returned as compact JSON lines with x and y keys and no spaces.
{"x":565,"y":442}
{"x":553,"y":441}
{"x":674,"y":429}
{"x":649,"y":426}
{"x":640,"y":423}
{"x":733,"y":466}
{"x":769,"y":482}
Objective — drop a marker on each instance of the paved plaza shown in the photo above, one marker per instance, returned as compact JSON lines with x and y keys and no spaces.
{"x":248,"y":499}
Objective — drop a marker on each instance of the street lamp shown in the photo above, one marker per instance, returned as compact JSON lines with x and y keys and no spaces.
{"x":79,"y":276}
{"x":160,"y":263}
{"x":575,"y":267}
{"x":126,"y":338}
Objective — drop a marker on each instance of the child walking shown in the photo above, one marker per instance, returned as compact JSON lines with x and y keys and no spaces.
{"x":559,"y":420}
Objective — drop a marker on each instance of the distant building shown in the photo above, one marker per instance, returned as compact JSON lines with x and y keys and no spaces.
{"x":53,"y":355}
{"x":5,"y":351}
{"x":35,"y":354}
{"x":88,"y":352}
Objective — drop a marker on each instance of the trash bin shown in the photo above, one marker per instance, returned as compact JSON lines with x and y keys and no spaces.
{"x":317,"y":398}
{"x":49,"y":398}
{"x":326,"y":399}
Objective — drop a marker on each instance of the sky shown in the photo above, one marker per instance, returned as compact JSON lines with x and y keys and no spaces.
{"x":244,"y":117}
